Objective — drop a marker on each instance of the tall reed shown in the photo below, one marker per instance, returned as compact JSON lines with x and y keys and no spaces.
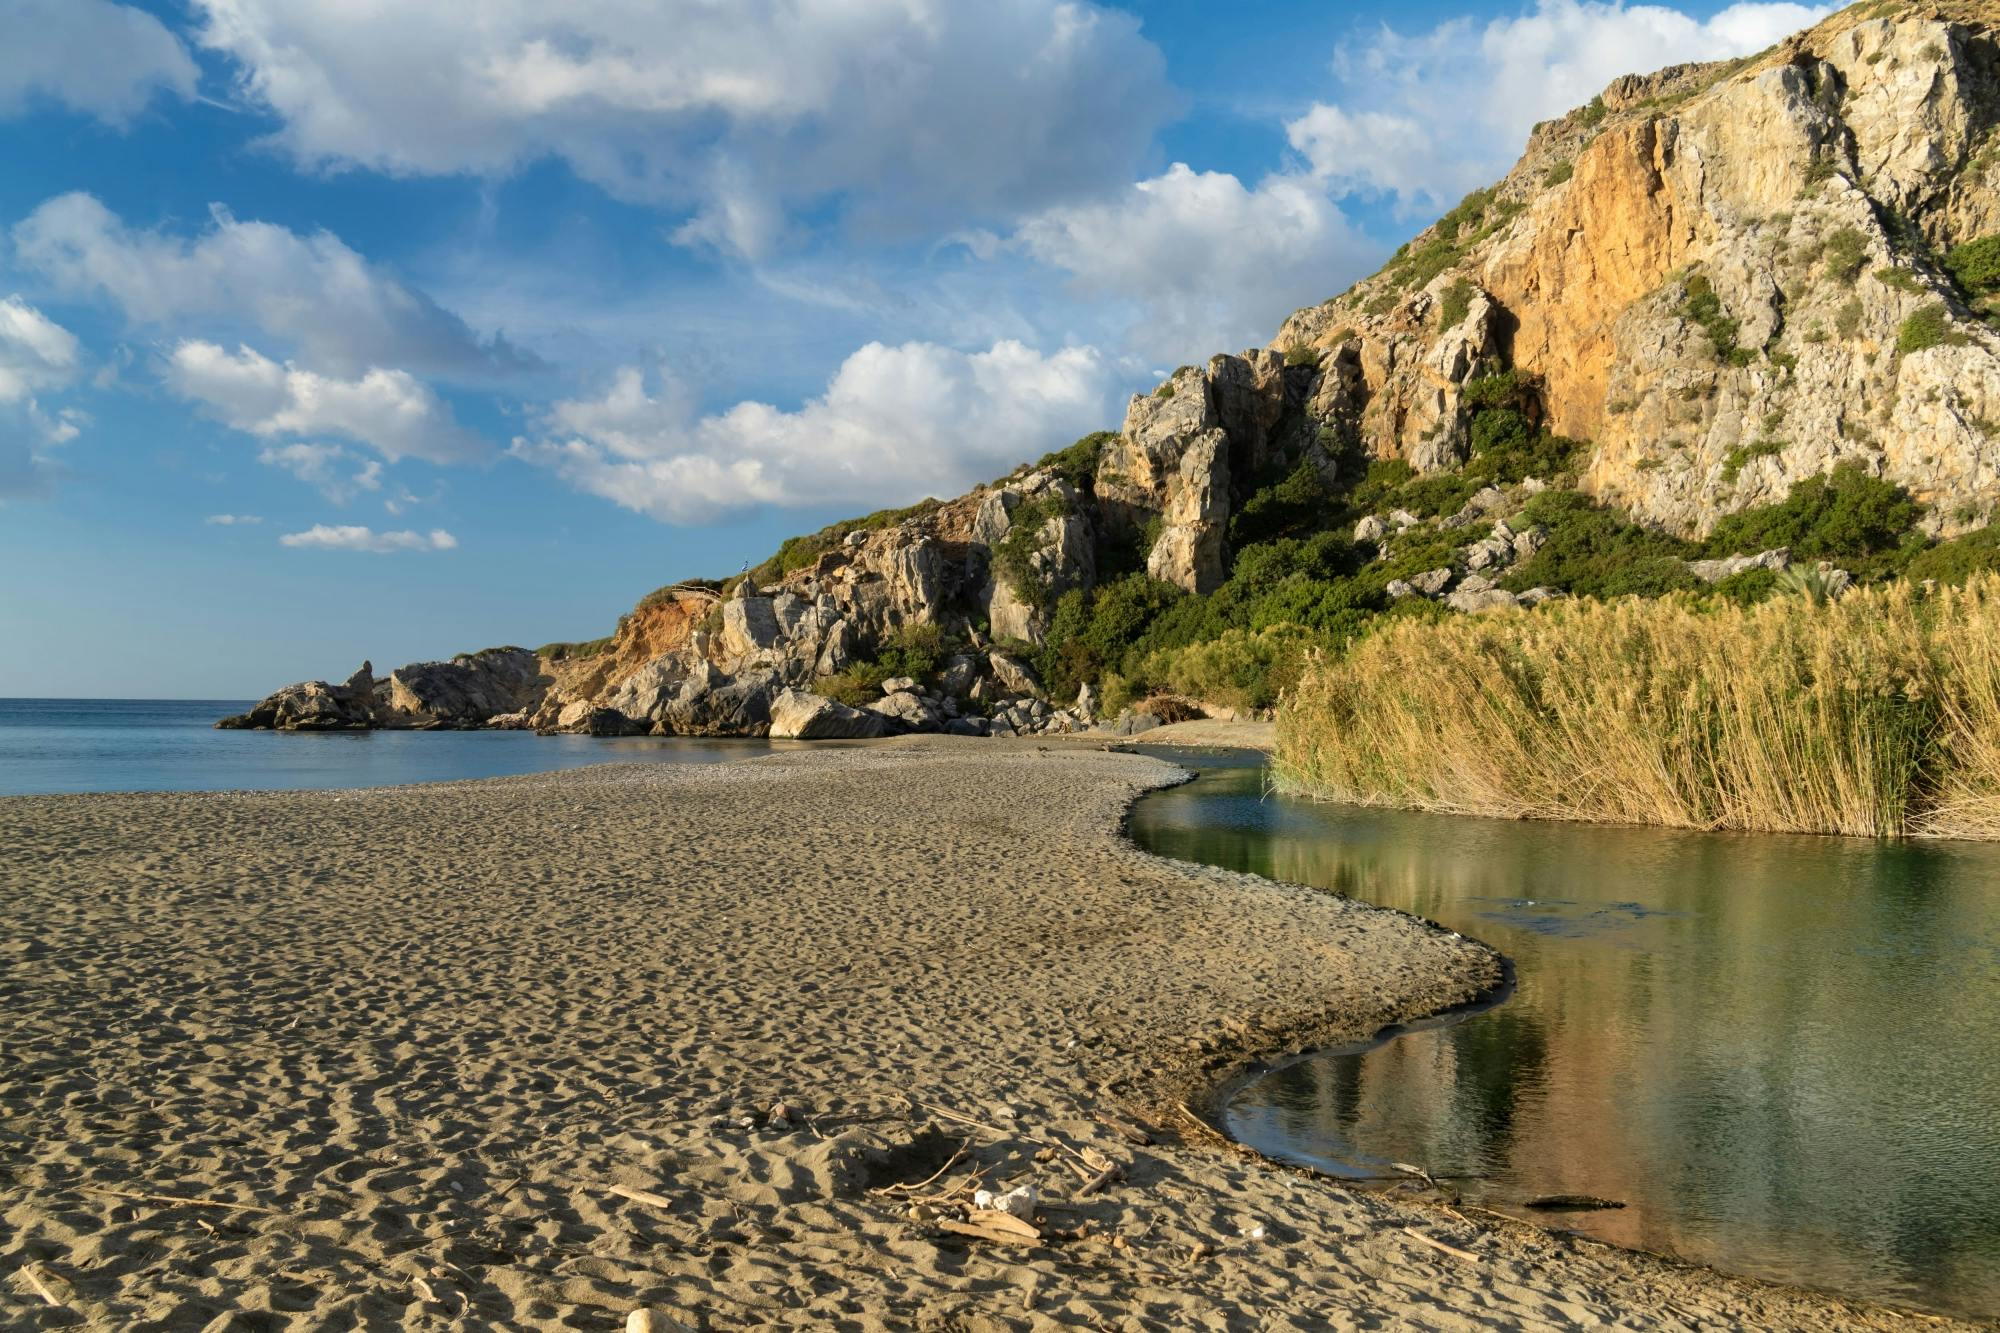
{"x":1877,"y":715}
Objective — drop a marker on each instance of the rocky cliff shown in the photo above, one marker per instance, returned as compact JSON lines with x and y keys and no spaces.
{"x":1713,"y":291}
{"x":1728,"y":278}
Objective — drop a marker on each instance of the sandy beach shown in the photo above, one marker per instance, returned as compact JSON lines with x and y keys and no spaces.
{"x":536,"y":1052}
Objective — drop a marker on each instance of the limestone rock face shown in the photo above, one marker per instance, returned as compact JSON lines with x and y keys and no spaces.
{"x":1811,"y":191}
{"x":468,"y":689}
{"x":1060,"y":553}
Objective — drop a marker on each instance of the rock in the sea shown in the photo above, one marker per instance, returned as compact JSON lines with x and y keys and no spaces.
{"x":799,"y":715}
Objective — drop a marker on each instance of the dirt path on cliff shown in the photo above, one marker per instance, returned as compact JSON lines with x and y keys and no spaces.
{"x":510,"y":1054}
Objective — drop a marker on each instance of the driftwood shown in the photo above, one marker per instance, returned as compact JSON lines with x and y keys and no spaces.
{"x":173,"y":1199}
{"x":1436,"y":1244}
{"x":980,"y":1231}
{"x":646,"y":1197}
{"x":33,"y":1274}
{"x":1571,"y":1203}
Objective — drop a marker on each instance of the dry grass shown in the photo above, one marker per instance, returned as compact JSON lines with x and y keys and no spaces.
{"x":1877,"y":715}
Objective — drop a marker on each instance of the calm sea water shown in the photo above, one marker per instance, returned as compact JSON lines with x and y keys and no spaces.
{"x":1779,"y":1053}
{"x":73,"y":745}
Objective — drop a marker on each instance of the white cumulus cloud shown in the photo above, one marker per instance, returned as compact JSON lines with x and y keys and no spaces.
{"x":324,"y":537}
{"x":342,"y":313}
{"x":1426,"y":118}
{"x":895,"y":424}
{"x":36,"y":354}
{"x":103,"y":59}
{"x":1206,"y":262}
{"x":388,"y":410}
{"x":903,"y":113}
{"x":333,"y":470}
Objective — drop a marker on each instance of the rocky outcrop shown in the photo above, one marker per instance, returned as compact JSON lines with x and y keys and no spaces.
{"x":465,"y":692}
{"x":1711,"y":274}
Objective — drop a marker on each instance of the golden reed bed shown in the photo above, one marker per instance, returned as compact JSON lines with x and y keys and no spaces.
{"x":1878,"y":715}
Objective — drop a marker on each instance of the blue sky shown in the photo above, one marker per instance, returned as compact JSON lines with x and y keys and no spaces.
{"x":333,"y":329}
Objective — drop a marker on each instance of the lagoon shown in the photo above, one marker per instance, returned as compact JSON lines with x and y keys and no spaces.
{"x":1778,"y":1053}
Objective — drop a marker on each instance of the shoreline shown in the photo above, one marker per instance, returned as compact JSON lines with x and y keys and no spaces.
{"x":434,"y":1030}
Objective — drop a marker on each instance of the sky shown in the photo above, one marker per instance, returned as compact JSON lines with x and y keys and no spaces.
{"x":334,"y":329}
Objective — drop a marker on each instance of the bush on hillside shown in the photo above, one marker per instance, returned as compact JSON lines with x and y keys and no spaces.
{"x":1846,"y":514}
{"x":1592,"y":551}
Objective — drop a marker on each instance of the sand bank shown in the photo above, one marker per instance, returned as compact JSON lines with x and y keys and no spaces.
{"x":505,"y":1054}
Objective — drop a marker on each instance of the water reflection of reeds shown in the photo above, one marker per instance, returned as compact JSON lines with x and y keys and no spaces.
{"x":1777,"y":1049}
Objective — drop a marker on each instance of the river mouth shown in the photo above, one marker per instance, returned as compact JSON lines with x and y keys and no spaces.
{"x":1775,"y":1054}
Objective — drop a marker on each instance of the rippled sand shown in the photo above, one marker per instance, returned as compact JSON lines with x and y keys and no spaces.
{"x":419,"y":1039}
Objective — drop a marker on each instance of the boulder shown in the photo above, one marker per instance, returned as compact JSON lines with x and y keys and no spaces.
{"x":1714,"y":571}
{"x":1012,"y":674}
{"x":1431,"y":582}
{"x":899,"y":685}
{"x":968,"y":726}
{"x":1371,"y":529}
{"x":908,"y":712}
{"x":798,"y":715}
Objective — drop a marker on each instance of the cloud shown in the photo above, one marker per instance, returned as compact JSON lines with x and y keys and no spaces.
{"x":1427,"y":118}
{"x":35,"y":351}
{"x":36,"y":355}
{"x":900,"y":113}
{"x":1207,"y":262}
{"x":387,"y":410}
{"x":342,"y":313}
{"x":233,"y":520}
{"x":320,"y":465}
{"x":322,"y":537}
{"x":894,"y":424}
{"x":105,"y":60}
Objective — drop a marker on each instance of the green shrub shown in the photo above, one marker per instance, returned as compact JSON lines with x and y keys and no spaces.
{"x":1302,"y":355}
{"x":1239,"y":668}
{"x":1703,"y":307}
{"x":1744,"y":454}
{"x":1092,"y":633}
{"x":913,"y":650}
{"x":1165,"y":390}
{"x":1845,"y":252}
{"x":1299,"y":502}
{"x":1592,"y":551}
{"x":1929,"y":327}
{"x":1078,"y":464}
{"x":857,"y":685}
{"x":1013,"y":554}
{"x":1848,"y":318}
{"x":1844,"y":514}
{"x":562,"y":652}
{"x":1959,"y":559}
{"x":1976,"y":265}
{"x":1559,"y":174}
{"x":1380,"y":484}
{"x":1902,"y":279}
{"x":1591,"y":116}
{"x":798,"y":552}
{"x":1455,"y":303}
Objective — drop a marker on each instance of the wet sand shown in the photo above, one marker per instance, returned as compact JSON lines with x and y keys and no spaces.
{"x":511,"y":1054}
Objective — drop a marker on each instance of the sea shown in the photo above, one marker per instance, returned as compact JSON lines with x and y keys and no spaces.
{"x":117,"y":745}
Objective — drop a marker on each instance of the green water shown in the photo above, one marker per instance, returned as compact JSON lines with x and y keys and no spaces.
{"x":1779,"y":1053}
